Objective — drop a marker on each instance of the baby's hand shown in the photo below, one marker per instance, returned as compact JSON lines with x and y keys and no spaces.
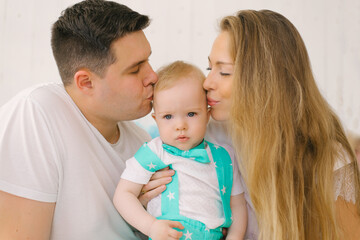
{"x":163,"y":230}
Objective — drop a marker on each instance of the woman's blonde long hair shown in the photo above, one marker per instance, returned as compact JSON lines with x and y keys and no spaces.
{"x":285,"y":133}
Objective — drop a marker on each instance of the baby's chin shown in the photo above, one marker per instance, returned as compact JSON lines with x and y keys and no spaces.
{"x":186,"y":147}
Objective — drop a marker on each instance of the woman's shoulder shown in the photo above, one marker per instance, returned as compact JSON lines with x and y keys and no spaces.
{"x":344,"y":177}
{"x":217,"y":132}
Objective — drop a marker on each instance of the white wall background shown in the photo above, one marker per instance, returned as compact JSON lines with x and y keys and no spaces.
{"x":185,"y":29}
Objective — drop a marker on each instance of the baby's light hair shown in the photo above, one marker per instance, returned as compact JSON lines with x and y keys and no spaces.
{"x":169,"y":74}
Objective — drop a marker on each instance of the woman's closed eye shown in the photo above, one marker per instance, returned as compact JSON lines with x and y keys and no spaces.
{"x":225,"y":74}
{"x":220,"y":72}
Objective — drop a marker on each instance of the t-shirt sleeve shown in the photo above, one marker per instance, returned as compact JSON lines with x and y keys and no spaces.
{"x":237,"y":187}
{"x":146,"y":161}
{"x":28,"y":156}
{"x":344,"y":177}
{"x":134,"y":172}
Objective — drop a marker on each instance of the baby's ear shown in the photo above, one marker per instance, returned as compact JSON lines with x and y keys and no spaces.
{"x":208,"y":114}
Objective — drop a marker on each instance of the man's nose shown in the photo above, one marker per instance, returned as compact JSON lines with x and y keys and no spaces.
{"x":151,"y":76}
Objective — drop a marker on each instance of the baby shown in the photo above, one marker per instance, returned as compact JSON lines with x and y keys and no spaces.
{"x":205,"y":194}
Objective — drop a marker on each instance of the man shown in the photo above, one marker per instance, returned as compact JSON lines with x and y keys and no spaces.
{"x":63,"y":147}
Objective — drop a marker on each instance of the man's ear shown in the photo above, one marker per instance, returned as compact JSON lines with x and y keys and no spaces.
{"x":83,"y":81}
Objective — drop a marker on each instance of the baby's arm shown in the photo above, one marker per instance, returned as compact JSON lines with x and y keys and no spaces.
{"x":127,"y":203}
{"x":239,"y":213}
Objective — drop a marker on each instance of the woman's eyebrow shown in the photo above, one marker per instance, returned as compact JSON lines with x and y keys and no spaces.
{"x":221,"y":62}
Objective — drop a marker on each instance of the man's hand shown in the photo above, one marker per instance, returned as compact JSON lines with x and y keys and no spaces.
{"x":156,"y":185}
{"x":163,"y":230}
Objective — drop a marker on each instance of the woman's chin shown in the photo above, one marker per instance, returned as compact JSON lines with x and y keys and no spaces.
{"x":219,"y":115}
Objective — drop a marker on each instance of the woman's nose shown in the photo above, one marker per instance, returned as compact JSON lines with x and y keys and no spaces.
{"x":208,"y":83}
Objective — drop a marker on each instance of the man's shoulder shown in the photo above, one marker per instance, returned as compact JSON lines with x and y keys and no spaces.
{"x":38,"y":93}
{"x":45,"y":93}
{"x":33,"y":97}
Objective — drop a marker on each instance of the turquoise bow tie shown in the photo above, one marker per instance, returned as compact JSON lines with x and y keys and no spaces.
{"x":197,"y":153}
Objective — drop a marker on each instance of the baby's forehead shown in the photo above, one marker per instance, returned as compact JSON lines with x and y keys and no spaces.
{"x":170,"y":81}
{"x":195,"y":97}
{"x":181,"y":85}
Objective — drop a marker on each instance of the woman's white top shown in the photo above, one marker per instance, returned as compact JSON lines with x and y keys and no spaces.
{"x":344,"y":184}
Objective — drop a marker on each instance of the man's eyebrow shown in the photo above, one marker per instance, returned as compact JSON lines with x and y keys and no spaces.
{"x":137,"y":63}
{"x":221,"y":62}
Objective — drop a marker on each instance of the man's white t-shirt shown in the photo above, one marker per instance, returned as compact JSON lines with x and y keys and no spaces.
{"x":49,"y":152}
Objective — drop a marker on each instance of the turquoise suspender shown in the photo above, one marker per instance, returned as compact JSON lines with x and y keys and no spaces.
{"x":224,"y":170}
{"x":148,"y":159}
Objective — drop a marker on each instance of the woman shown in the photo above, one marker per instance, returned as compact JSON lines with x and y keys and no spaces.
{"x":301,"y":174}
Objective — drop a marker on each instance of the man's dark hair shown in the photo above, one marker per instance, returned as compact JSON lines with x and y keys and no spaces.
{"x":83,"y":34}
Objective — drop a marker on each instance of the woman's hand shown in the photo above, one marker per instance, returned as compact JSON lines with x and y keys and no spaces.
{"x":156,"y":185}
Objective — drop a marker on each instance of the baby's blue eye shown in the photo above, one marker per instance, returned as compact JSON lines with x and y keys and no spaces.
{"x":168,"y":117}
{"x":191,"y":114}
